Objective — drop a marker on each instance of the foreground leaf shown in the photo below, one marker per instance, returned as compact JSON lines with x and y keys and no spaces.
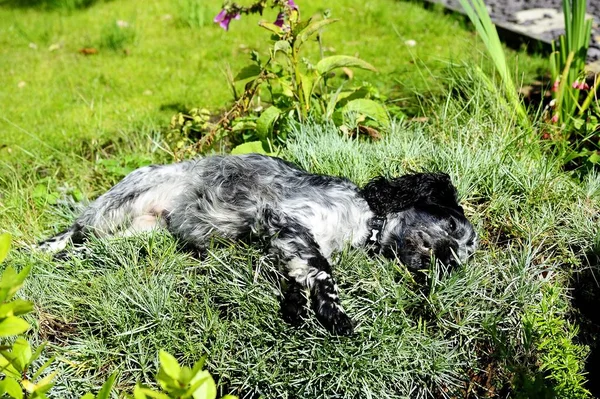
{"x":13,"y":325}
{"x":4,"y":245}
{"x":9,"y":386}
{"x":169,"y":365}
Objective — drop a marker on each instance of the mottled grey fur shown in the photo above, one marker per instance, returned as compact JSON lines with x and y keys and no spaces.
{"x":304,"y":217}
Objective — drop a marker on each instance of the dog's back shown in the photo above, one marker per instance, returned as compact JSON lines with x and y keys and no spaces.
{"x":228,"y":196}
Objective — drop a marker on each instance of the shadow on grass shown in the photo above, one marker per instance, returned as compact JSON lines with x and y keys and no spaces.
{"x":586,"y":302}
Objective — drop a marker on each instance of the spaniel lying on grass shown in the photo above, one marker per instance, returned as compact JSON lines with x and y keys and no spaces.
{"x":304,"y":217}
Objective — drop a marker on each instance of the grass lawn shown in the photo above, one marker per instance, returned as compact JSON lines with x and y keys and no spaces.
{"x":74,"y":124}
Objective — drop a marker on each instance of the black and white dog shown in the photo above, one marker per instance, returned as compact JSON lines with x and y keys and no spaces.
{"x":304,"y":217}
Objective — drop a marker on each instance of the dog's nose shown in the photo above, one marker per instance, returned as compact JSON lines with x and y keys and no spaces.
{"x":445,"y":251}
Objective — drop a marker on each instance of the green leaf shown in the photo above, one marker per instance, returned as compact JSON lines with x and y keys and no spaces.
{"x":207,"y":388}
{"x":142,"y":393}
{"x":270,"y":27}
{"x":328,"y":64}
{"x":229,"y":397}
{"x":11,"y":387}
{"x":104,"y":392}
{"x":283,"y":46}
{"x":369,"y":108}
{"x":307,"y":87}
{"x":13,"y":325}
{"x":311,"y":29}
{"x":594,"y":158}
{"x":4,"y":245}
{"x":15,"y":308}
{"x":21,"y":352}
{"x":266,"y":121}
{"x":247,"y":72}
{"x":88,"y":395}
{"x":249,"y":148}
{"x":169,"y":364}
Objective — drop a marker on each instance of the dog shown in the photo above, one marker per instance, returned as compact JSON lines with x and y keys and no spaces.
{"x":303,"y":217}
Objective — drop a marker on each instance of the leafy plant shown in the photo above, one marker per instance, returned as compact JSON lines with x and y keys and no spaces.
{"x":574,"y":113}
{"x":568,"y":62}
{"x":287,"y":85}
{"x":17,"y":358}
{"x":180,"y":382}
{"x":559,"y":357}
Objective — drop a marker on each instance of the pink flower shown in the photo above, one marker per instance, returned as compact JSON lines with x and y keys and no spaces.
{"x":580,"y":86}
{"x":292,"y":5}
{"x":224,"y":18}
{"x":554,"y":118}
{"x":555,"y":85}
{"x":279,"y":21}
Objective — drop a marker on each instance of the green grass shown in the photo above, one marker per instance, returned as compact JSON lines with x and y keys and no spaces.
{"x":55,"y":98}
{"x":129,"y":297}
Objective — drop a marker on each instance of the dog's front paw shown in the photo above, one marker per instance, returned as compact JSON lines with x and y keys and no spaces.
{"x":334,"y":319}
{"x":293,"y":307}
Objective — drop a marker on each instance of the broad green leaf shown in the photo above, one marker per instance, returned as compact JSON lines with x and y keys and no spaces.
{"x":4,"y":245}
{"x":11,"y":387}
{"x":247,"y":72}
{"x":88,"y":395}
{"x":23,"y":274}
{"x":207,"y":389}
{"x":13,"y":325}
{"x":104,"y":392}
{"x":15,"y":308}
{"x":143,"y":393}
{"x":6,"y":366}
{"x":283,"y":46}
{"x":594,"y":158}
{"x":270,"y":27}
{"x":369,"y":108}
{"x":286,"y":88}
{"x":311,"y":29}
{"x":21,"y":352}
{"x":229,"y":397}
{"x":299,"y":27}
{"x":249,"y":148}
{"x":266,"y":121}
{"x":328,"y":64}
{"x":169,"y":364}
{"x":307,"y":87}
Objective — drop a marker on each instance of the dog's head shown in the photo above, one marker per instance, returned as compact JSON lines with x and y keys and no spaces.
{"x":422,"y":218}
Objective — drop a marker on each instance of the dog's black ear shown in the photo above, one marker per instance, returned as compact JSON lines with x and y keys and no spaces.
{"x":385,"y":196}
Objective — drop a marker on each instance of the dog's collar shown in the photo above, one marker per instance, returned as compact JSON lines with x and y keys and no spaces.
{"x":376,"y":225}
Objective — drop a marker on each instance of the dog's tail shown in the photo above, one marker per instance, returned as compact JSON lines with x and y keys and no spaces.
{"x":58,"y":242}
